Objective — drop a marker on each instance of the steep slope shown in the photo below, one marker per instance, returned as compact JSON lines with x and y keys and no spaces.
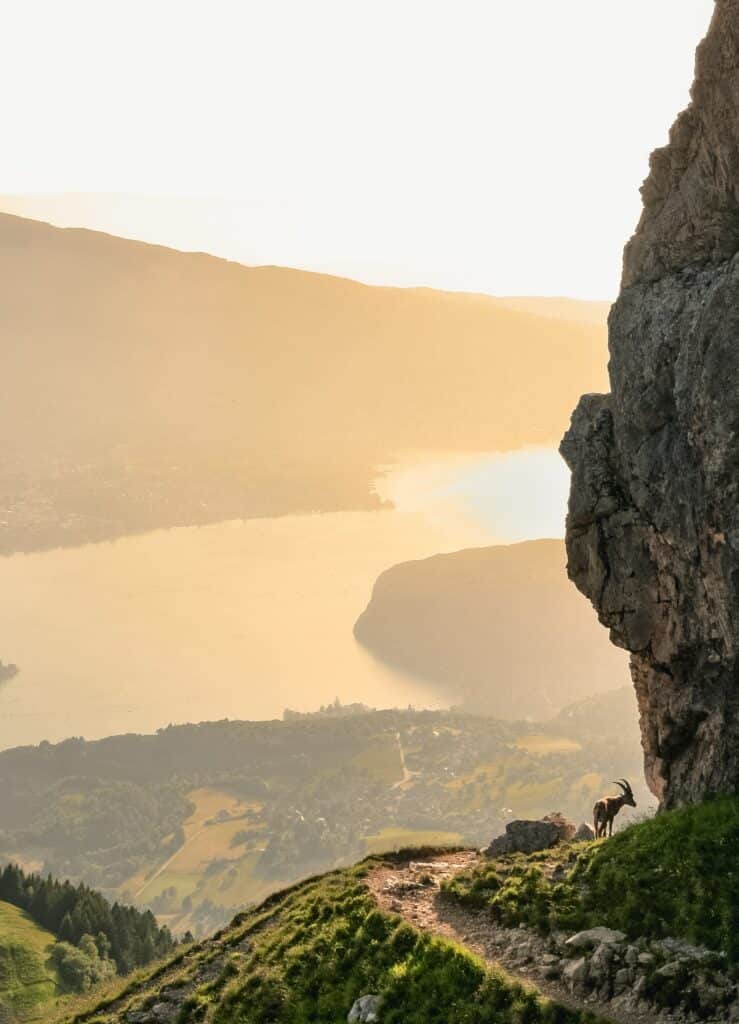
{"x":653,"y":525}
{"x":500,"y":625}
{"x":29,"y":985}
{"x":145,"y":387}
{"x":309,"y":953}
{"x":650,"y":885}
{"x":425,"y":933}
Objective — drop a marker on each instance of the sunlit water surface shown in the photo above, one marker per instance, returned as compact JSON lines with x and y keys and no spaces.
{"x":243,"y":619}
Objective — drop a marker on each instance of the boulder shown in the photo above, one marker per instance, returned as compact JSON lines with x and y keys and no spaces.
{"x":621,"y":981}
{"x":527,"y":836}
{"x":601,"y":960}
{"x":365,"y":1010}
{"x":584,"y":834}
{"x":670,"y":970}
{"x":575,"y":974}
{"x":551,"y":965}
{"x":564,"y":825}
{"x":592,"y":937}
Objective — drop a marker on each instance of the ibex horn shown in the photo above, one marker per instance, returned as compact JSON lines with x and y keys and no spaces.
{"x":617,"y":783}
{"x":627,"y":784}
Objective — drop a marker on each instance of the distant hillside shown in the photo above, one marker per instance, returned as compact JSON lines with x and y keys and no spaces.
{"x":146,"y":387}
{"x":614,"y":713}
{"x":197,"y":821}
{"x":595,"y":313}
{"x":29,"y":983}
{"x":501,"y":626}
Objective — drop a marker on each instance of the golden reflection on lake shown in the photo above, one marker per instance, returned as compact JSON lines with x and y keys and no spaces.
{"x":234,"y":620}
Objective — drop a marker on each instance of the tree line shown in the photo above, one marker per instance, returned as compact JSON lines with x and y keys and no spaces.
{"x":132,"y":937}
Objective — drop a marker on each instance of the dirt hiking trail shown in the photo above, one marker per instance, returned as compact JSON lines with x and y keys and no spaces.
{"x":412,"y":889}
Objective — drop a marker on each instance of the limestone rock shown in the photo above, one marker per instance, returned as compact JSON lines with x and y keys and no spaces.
{"x":525,"y":836}
{"x":575,"y":974}
{"x":584,"y":833}
{"x":365,"y":1010}
{"x":670,"y":970}
{"x":653,"y":522}
{"x":592,"y":937}
{"x":550,"y":965}
{"x":566,"y":828}
{"x":621,"y":981}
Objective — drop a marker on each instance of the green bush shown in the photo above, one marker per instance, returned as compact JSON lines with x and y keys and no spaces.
{"x":81,"y":967}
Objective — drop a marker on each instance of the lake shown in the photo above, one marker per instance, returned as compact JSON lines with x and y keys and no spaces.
{"x":243,"y":619}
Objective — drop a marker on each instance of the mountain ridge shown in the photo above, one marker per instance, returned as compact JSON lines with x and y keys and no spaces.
{"x":147,"y":387}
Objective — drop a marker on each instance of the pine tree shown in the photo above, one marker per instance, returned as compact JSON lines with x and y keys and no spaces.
{"x":126,"y":935}
{"x":66,"y":930}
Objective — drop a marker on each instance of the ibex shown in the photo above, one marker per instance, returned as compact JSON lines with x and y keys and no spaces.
{"x":608,"y":807}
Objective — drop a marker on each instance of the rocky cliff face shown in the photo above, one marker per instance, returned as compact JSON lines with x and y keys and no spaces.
{"x":653,"y":524}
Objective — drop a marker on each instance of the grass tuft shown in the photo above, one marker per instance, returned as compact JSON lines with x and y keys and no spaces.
{"x":654,"y":879}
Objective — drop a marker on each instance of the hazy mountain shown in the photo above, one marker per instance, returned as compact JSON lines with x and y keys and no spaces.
{"x":595,"y":313}
{"x":502,"y":627}
{"x":147,"y":387}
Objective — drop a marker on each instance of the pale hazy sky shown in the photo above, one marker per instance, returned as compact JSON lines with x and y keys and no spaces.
{"x":486,"y":145}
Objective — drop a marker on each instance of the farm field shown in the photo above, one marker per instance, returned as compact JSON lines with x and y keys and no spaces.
{"x":539,"y":743}
{"x":391,"y":839}
{"x":219,"y":830}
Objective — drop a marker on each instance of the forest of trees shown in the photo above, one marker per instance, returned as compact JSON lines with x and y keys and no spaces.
{"x":76,"y":914}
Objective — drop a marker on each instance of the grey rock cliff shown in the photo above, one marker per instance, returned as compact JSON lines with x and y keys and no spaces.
{"x":653,"y":523}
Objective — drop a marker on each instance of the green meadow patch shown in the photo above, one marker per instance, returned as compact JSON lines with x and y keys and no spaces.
{"x":675,"y":875}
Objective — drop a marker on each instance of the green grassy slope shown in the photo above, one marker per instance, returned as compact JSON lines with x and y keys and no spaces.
{"x":676,"y":875}
{"x":29,"y":986}
{"x":308,"y":953}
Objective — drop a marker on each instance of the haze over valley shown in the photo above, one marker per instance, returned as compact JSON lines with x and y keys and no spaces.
{"x":155,"y":388}
{"x":335,"y":429}
{"x":209,"y":465}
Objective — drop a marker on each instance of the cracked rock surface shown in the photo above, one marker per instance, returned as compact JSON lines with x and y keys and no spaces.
{"x":653,"y":523}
